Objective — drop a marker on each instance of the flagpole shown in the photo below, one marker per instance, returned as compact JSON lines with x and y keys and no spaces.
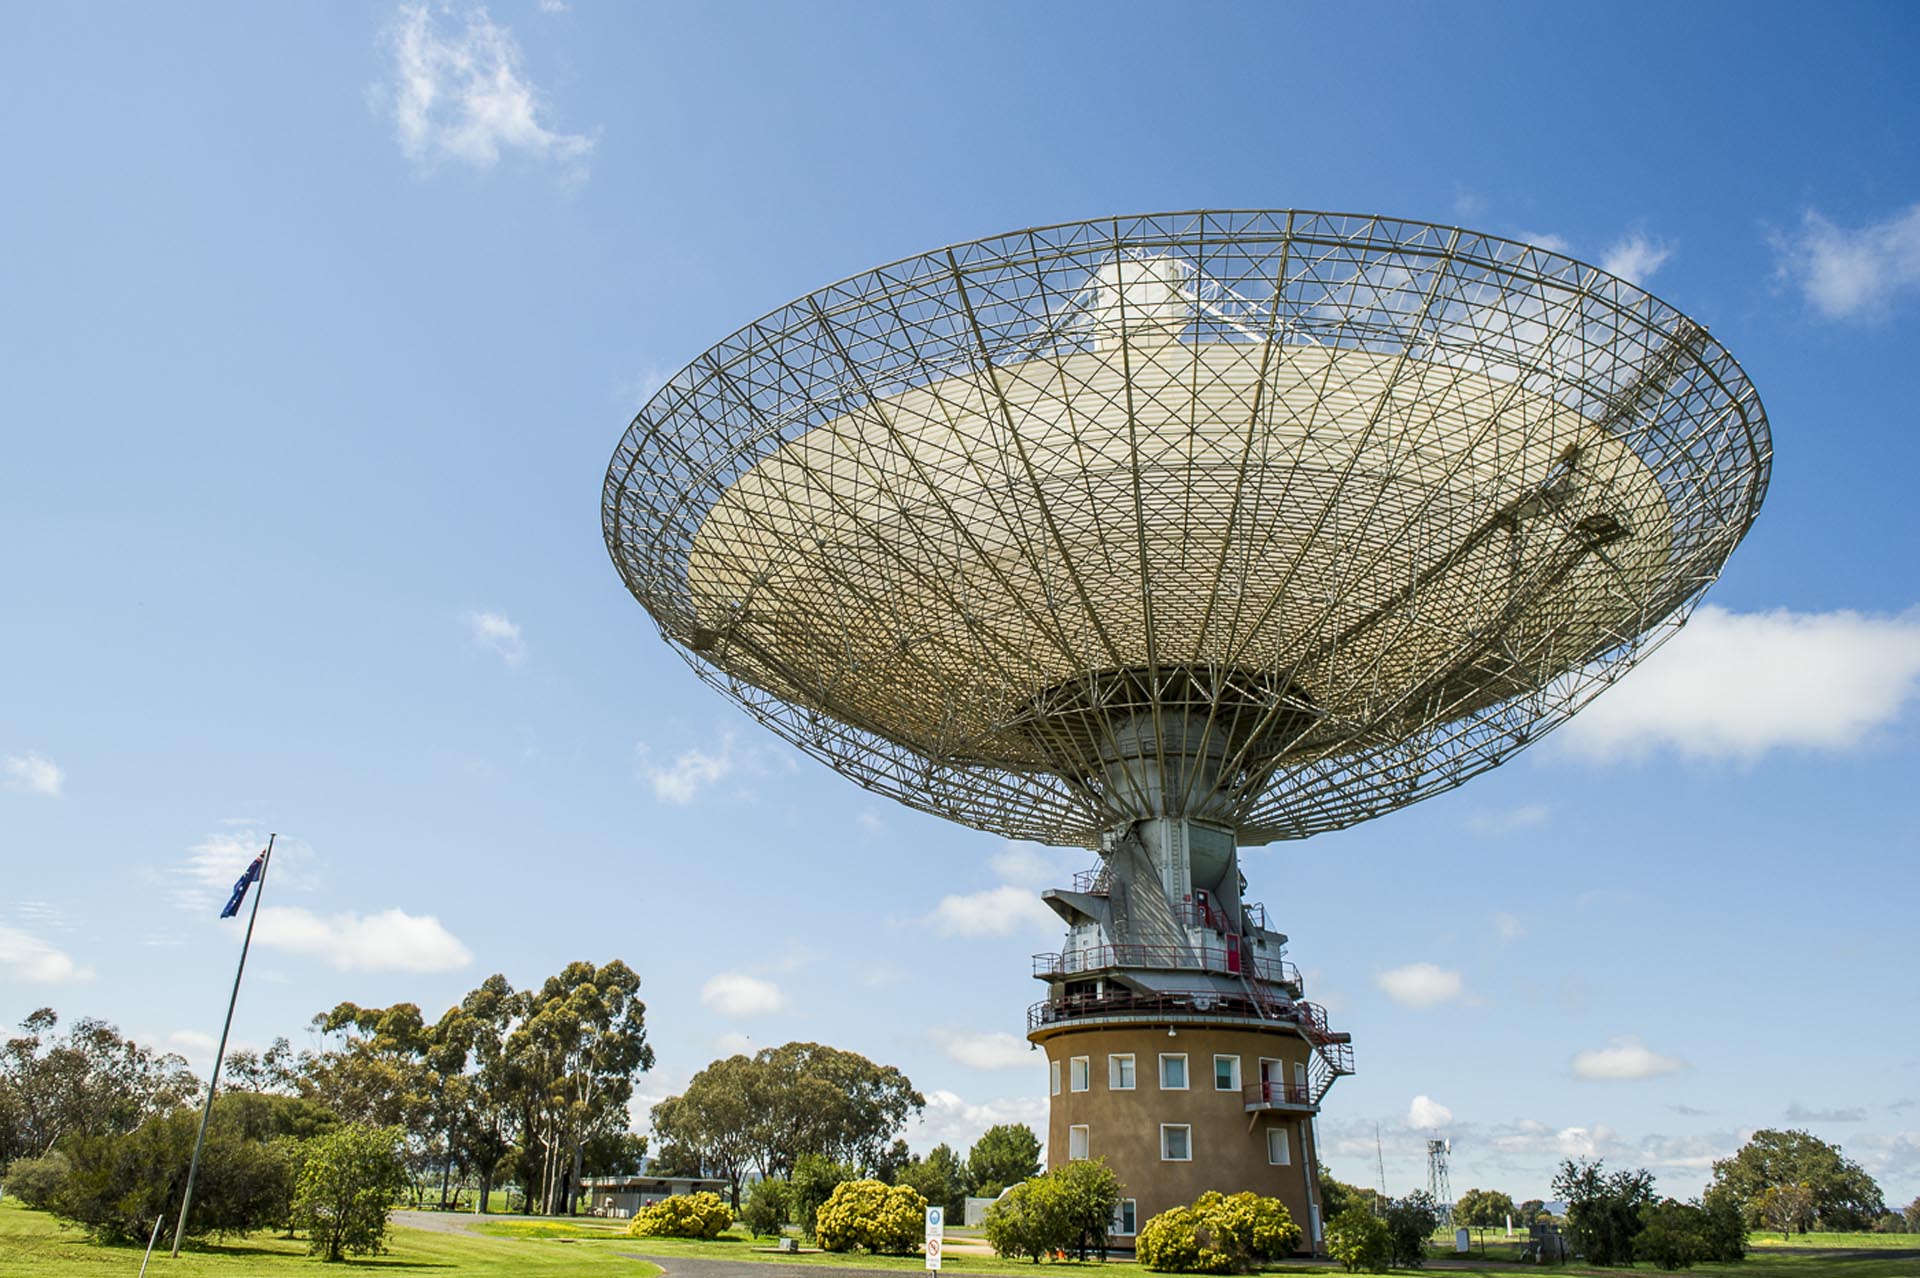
{"x":213,"y":1082}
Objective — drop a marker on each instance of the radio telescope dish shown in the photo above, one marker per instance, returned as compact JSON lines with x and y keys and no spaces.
{"x":1271,"y":520}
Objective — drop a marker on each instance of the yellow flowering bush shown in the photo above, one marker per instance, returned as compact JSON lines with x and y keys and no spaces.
{"x":701,"y":1215}
{"x":1247,"y":1228}
{"x":1170,"y":1244}
{"x":888,"y":1220}
{"x":1220,"y":1233}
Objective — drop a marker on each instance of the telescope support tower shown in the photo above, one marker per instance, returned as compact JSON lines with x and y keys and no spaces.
{"x":1180,"y":1044}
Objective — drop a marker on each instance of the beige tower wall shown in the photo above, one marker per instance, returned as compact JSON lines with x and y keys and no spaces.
{"x":1229,"y":1145}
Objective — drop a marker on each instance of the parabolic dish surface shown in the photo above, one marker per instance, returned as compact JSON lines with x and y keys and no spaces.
{"x":1348,"y":509}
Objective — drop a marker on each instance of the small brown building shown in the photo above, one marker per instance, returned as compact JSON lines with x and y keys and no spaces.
{"x":622,"y":1196}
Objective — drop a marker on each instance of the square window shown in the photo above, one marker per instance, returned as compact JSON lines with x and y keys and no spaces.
{"x":1226,"y":1073}
{"x":1053,"y":1073}
{"x":1173,"y":1071}
{"x":1176,"y":1143}
{"x":1077,"y":1138}
{"x":1279,"y":1149}
{"x":1125,"y":1217}
{"x":1080,"y":1075}
{"x":1120,"y":1073}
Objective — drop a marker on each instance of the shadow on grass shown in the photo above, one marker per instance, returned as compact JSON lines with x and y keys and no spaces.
{"x":287,"y":1253}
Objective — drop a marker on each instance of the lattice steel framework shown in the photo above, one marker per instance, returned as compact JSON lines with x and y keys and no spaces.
{"x":1275,"y":519}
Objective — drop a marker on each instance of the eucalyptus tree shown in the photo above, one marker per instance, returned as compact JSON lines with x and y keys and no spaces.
{"x":89,"y":1081}
{"x":709,"y":1128}
{"x":572,"y":1060}
{"x":486,"y":1123}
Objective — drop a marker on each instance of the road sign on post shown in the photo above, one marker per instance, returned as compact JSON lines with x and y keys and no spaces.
{"x":936,"y":1233}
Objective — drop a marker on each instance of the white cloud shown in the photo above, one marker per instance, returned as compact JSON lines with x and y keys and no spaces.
{"x":959,"y":1122}
{"x":1524,"y":817}
{"x":1623,"y":1059}
{"x":1428,"y":1113}
{"x":638,"y":390}
{"x":459,"y":94}
{"x":44,"y":914}
{"x":869,"y":823}
{"x":1034,"y":866}
{"x":1635,"y":258}
{"x":26,"y":959}
{"x":1419,"y":984}
{"x":1507,"y":926}
{"x":691,"y":771}
{"x":212,"y":865}
{"x":196,"y":1045}
{"x":1888,"y":1156}
{"x":997,"y":911}
{"x":390,"y":941}
{"x":499,"y":633}
{"x":1852,"y":274}
{"x":737,"y":994}
{"x":732,"y":1043}
{"x":993,"y":1050}
{"x":1740,"y":684}
{"x":33,"y":773}
{"x":1546,"y":240}
{"x":1332,"y":1000}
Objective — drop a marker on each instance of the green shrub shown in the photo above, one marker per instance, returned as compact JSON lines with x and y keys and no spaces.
{"x":350,"y":1176}
{"x":814,"y":1179}
{"x":871,"y":1215}
{"x":701,"y":1215}
{"x":1025,"y":1221}
{"x":1670,"y":1234}
{"x":1247,"y":1228}
{"x":1220,"y":1233}
{"x":1170,"y":1243}
{"x":1676,"y":1235}
{"x":1359,"y":1241}
{"x":34,"y":1181}
{"x":765,"y":1210}
{"x":117,"y":1183}
{"x":1723,"y":1232}
{"x":1410,"y":1222}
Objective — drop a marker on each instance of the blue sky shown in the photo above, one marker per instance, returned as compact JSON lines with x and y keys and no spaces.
{"x":323,"y":320}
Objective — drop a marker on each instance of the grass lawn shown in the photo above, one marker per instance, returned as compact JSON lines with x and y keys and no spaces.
{"x":1899,"y":1242}
{"x":35,"y":1244}
{"x":1805,"y":1261}
{"x":735,"y":1246}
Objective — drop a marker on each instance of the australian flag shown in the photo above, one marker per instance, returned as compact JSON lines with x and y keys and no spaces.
{"x":240,"y":888}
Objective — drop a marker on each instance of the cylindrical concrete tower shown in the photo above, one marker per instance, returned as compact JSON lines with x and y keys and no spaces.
{"x":1180,"y":1047}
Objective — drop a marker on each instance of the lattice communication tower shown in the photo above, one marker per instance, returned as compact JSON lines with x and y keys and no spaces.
{"x":1439,"y":1178}
{"x":1270,"y":520}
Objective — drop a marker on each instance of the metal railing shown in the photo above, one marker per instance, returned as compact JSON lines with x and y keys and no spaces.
{"x":1202,"y":958}
{"x":1173,"y":1003}
{"x":1253,"y":915}
{"x":1277,"y":1093}
{"x":1093,"y":882}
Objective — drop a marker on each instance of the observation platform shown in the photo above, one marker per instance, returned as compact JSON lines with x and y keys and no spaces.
{"x":1198,"y":1006}
{"x":1220,"y":961}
